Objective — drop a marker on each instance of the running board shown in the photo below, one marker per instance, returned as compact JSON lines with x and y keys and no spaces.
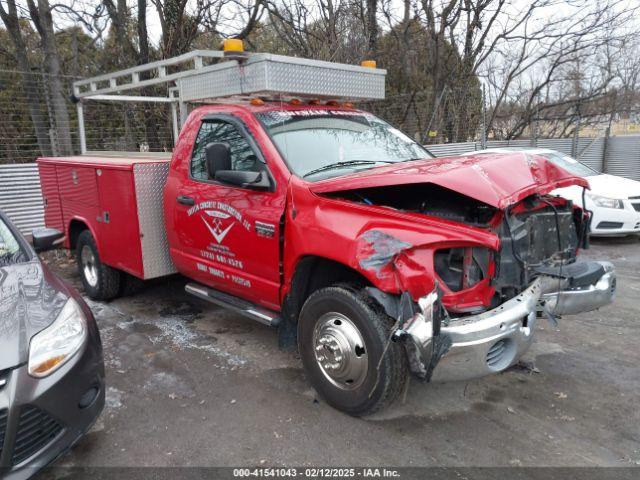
{"x":238,"y":305}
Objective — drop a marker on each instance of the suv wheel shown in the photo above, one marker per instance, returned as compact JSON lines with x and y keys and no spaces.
{"x":100,"y":281}
{"x":342,"y":336}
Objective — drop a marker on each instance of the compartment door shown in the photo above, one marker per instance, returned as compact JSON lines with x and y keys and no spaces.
{"x":118,"y":225}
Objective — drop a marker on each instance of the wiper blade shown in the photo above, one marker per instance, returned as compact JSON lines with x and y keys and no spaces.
{"x":350,"y":163}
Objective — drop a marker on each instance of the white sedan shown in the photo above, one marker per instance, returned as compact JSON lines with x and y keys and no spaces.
{"x":614,"y":201}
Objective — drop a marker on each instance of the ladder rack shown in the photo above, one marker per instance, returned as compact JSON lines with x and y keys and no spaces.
{"x":214,"y":76}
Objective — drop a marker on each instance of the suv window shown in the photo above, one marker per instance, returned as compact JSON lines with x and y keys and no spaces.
{"x":10,"y":250}
{"x":218,"y":131}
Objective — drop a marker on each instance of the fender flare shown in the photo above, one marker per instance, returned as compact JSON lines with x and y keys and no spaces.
{"x":88,"y":226}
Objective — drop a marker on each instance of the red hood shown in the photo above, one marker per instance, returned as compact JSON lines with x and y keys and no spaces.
{"x":499,"y":179}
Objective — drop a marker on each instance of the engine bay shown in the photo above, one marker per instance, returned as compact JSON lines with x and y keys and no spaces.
{"x":537,"y":233}
{"x":425,"y":198}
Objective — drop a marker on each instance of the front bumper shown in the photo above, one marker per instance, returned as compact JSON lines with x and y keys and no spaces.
{"x":614,"y":222}
{"x":45,"y":417}
{"x":479,"y":345}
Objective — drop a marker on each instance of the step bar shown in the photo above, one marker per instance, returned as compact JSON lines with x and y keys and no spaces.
{"x":238,"y":305}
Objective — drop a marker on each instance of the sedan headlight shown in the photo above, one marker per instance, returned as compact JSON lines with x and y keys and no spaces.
{"x":57,"y":343}
{"x":606,"y":202}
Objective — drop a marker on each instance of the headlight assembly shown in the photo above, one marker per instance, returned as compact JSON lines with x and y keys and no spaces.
{"x":606,"y":202}
{"x":57,"y":343}
{"x":463,"y":267}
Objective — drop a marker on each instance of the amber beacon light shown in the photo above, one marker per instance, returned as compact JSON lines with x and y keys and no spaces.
{"x":368,"y":63}
{"x":233,"y":45}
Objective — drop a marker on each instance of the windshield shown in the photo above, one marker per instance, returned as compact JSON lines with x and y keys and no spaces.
{"x":323,"y":143}
{"x":570,"y":165}
{"x":10,"y":251}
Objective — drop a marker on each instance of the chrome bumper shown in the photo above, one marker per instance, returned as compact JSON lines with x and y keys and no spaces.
{"x":571,"y":302}
{"x":479,"y":345}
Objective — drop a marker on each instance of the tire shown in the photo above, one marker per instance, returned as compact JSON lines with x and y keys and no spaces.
{"x":326,"y":326}
{"x":100,"y":281}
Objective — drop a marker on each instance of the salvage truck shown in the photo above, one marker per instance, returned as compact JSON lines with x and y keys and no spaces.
{"x":285,"y":203}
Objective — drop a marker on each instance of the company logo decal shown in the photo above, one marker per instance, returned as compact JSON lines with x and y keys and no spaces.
{"x":216,"y":223}
{"x":219,"y":218}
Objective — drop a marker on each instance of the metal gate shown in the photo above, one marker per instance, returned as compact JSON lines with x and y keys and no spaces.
{"x":623,"y":157}
{"x":20,"y":195}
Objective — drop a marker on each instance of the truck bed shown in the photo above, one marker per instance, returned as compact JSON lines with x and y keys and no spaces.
{"x":118,"y":196}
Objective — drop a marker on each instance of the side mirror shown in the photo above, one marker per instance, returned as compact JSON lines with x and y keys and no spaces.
{"x":256,"y":180}
{"x":44,"y":239}
{"x":218,"y":157}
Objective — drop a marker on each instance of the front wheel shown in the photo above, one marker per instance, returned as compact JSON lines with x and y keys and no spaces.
{"x":100,"y":281}
{"x":342,"y":335}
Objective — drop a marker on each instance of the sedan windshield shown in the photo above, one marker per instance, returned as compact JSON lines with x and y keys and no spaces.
{"x":10,"y":250}
{"x":570,"y":165}
{"x":318,"y":144}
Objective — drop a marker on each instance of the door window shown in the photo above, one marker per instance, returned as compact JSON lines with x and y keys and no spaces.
{"x":218,"y":131}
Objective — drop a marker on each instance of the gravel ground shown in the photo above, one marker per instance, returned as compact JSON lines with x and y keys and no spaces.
{"x":190,"y":384}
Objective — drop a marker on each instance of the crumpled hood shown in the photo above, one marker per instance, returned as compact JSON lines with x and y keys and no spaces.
{"x":31,"y":298}
{"x":499,"y":180}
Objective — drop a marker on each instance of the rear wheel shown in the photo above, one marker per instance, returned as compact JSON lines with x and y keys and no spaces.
{"x":100,"y":281}
{"x":342,"y":337}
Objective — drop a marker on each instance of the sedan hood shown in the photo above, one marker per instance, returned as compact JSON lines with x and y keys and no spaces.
{"x":31,"y":298}
{"x":614,"y":187}
{"x":499,"y":180}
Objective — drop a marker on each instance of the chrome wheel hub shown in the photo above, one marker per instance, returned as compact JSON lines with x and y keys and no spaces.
{"x":89,"y":269}
{"x":340,"y":351}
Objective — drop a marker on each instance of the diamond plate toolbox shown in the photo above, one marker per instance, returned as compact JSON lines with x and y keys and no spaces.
{"x":279,"y":75}
{"x":149,"y":181}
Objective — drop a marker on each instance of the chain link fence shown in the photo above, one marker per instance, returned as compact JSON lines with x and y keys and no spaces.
{"x":31,"y":127}
{"x":434,"y":117}
{"x":448,"y":121}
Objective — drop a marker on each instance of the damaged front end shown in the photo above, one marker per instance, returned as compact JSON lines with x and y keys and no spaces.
{"x":467,"y":347}
{"x":480,"y":249}
{"x":536,"y":276}
{"x":482,"y":300}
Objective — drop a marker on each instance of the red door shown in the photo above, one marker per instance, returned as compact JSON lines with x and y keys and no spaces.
{"x":225,"y":236}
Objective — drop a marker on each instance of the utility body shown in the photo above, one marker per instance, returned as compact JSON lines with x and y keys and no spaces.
{"x":330,"y":224}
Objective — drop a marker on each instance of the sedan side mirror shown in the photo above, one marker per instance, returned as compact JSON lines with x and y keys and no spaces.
{"x":218,"y":157}
{"x":241,"y":178}
{"x":44,"y":239}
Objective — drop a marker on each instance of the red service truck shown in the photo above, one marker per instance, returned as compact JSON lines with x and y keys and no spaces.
{"x":285,"y":203}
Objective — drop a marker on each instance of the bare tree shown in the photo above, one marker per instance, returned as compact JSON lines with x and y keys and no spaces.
{"x":43,"y":21}
{"x":11,"y":21}
{"x":179,"y":26}
{"x":151,"y":126}
{"x":120,"y":17}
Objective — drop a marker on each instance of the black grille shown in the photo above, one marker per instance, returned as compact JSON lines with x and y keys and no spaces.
{"x":610,"y":225}
{"x":3,"y":428}
{"x":36,"y":429}
{"x":535,"y":235}
{"x":636,"y":206}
